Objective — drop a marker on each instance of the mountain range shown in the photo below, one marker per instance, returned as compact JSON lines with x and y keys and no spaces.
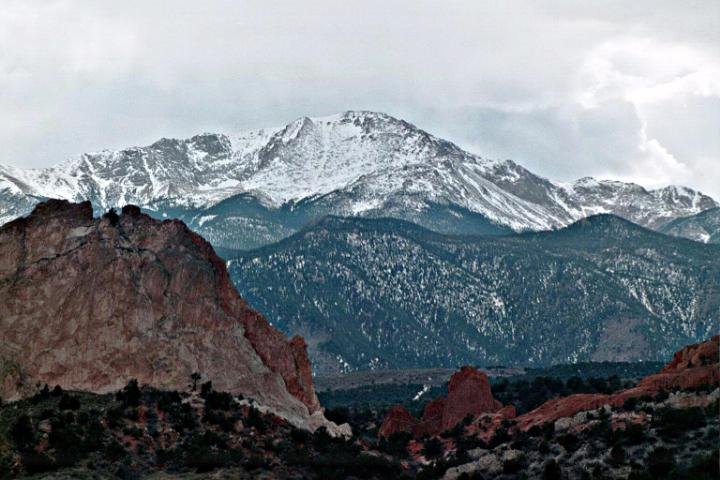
{"x":384,"y":293}
{"x":386,"y":246}
{"x":250,"y":189}
{"x":703,"y":227}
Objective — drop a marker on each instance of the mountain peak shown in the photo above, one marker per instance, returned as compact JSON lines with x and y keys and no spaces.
{"x":366,"y":162}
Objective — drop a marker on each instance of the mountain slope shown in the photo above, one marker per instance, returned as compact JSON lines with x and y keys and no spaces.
{"x":703,"y":227}
{"x":369,"y":164}
{"x":91,"y":303}
{"x":382,"y":293}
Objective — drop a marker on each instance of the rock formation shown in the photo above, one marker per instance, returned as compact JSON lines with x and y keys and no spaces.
{"x":468,"y":394}
{"x":398,"y":420}
{"x":693,"y":366}
{"x":90,"y":303}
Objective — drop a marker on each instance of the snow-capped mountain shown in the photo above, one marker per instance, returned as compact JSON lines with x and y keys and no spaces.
{"x":703,"y":227}
{"x":355,"y":163}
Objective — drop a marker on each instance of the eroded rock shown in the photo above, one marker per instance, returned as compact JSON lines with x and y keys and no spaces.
{"x":89,"y":303}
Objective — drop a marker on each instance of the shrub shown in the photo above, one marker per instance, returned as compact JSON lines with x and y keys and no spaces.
{"x":130,"y":394}
{"x":501,"y":436}
{"x":617,"y":456}
{"x":551,"y":470}
{"x":206,"y":388}
{"x":168,"y":400}
{"x":661,"y":396}
{"x":69,"y":402}
{"x":43,"y":394}
{"x":218,"y":400}
{"x":569,"y":442}
{"x":37,"y":463}
{"x":672,"y":422}
{"x":112,"y":216}
{"x":634,"y":434}
{"x":194,"y":379}
{"x":396,"y":444}
{"x":630,"y":404}
{"x":255,"y":419}
{"x":22,"y":433}
{"x":514,"y":465}
{"x":660,"y":462}
{"x":183,"y":418}
{"x":432,"y":448}
{"x":338,"y":415}
{"x":704,"y":467}
{"x":299,"y":436}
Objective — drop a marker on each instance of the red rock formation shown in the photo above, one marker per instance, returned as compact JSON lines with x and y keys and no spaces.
{"x":468,"y":394}
{"x":432,"y":419}
{"x":691,"y":367}
{"x":486,"y":425}
{"x":397,"y":420}
{"x":90,"y":303}
{"x":696,"y":355}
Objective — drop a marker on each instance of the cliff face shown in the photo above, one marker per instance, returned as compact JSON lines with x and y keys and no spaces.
{"x":89,"y":303}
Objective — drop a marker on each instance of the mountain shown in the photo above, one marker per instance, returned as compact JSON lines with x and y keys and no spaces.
{"x":246,"y":190}
{"x":89,"y":303}
{"x":702,"y":227}
{"x":383,"y":293}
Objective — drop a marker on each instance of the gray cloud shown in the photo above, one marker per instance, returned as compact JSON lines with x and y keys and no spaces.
{"x":605,"y":89}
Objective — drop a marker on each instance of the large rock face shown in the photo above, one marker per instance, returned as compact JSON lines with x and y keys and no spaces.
{"x":90,"y":303}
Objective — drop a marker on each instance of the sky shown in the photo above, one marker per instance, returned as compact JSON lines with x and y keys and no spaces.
{"x":611,"y":89}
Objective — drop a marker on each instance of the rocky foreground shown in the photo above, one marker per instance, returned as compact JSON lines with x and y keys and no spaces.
{"x":670,"y":430}
{"x":665,"y":427}
{"x":89,"y":303}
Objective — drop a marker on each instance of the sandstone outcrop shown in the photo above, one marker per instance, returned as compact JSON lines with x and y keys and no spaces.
{"x":89,"y":303}
{"x":398,"y":420}
{"x":693,"y":366}
{"x":469,"y":393}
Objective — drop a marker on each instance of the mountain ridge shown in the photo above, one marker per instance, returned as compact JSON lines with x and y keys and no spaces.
{"x":383,"y":293}
{"x":355,"y":163}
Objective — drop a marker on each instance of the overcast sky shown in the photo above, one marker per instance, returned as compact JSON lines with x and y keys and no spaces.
{"x":625,"y":90}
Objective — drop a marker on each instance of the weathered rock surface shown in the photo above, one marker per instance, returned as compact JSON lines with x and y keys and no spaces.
{"x":691,"y":367}
{"x":90,"y":303}
{"x":397,"y":420}
{"x":469,"y":393}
